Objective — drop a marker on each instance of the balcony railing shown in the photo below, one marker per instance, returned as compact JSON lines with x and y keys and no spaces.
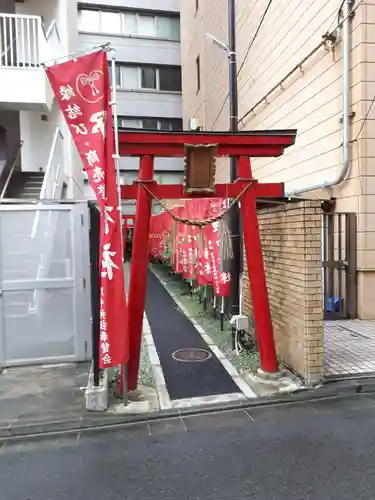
{"x":24,"y":43}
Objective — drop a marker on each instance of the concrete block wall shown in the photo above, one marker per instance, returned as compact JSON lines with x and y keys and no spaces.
{"x":291,"y":240}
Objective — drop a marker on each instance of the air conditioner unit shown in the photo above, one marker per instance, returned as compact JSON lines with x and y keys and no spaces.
{"x":195,"y":124}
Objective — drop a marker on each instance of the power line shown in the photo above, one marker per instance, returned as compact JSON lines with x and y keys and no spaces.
{"x":220,"y":110}
{"x":365,"y":119}
{"x":337,"y":16}
{"x":255,"y":35}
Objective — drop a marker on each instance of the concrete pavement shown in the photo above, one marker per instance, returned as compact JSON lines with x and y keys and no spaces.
{"x":42,"y":393}
{"x":322,"y":449}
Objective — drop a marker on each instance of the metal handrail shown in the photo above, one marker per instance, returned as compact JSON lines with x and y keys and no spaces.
{"x":52,"y":26}
{"x":46,"y":181}
{"x":8,"y":170}
{"x":58,"y":134}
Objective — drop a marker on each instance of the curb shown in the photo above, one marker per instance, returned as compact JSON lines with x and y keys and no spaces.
{"x":90,"y":423}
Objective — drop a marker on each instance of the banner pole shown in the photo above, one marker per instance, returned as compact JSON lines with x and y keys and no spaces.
{"x":222,"y":314}
{"x":116,"y":156}
{"x":76,"y":53}
{"x":241,"y":294}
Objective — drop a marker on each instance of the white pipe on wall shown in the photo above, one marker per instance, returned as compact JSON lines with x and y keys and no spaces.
{"x":346,"y":109}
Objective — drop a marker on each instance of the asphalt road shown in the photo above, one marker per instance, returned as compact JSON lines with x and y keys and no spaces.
{"x":323,"y":450}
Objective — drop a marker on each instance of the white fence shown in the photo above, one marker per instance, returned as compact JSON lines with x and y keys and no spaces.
{"x":24,"y":43}
{"x":44,"y":310}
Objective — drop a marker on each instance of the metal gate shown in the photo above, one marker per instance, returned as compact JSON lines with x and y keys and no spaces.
{"x":44,"y":284}
{"x":340,"y":265}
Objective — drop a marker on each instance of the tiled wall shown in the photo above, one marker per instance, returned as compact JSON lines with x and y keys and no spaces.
{"x":291,"y":240}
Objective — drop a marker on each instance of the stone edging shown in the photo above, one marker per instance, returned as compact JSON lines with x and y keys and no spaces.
{"x":165,"y":402}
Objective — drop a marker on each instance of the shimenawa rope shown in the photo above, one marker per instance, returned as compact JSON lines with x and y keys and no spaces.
{"x":198,"y":222}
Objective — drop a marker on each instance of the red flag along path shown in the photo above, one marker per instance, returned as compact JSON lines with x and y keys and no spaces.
{"x":195,"y":256}
{"x":82,"y":89}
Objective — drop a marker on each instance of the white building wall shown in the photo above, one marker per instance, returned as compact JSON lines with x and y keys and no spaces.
{"x":140,"y":50}
{"x":37,"y":130}
{"x":137,"y":50}
{"x":37,"y":136}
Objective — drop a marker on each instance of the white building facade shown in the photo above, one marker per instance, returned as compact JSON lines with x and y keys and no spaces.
{"x":31,"y":32}
{"x":45,"y":310}
{"x":146,"y":39}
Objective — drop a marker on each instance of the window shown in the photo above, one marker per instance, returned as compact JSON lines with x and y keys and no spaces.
{"x":163,"y":78}
{"x":129,"y":24}
{"x":100,"y":21}
{"x":170,"y":79}
{"x":110,"y":22}
{"x":89,"y":20}
{"x":168,"y":27}
{"x":148,"y":78}
{"x":151,"y":123}
{"x":147,"y":26}
{"x":129,"y":77}
{"x":170,"y":124}
{"x":198,"y":70}
{"x":118,"y":75}
{"x":129,"y":123}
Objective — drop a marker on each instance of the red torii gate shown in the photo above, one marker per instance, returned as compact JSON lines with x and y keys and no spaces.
{"x":241,"y":145}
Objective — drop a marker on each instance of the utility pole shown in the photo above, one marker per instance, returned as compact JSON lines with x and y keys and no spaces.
{"x":234,"y":214}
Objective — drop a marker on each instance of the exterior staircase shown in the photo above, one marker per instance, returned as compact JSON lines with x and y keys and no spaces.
{"x":25,"y":185}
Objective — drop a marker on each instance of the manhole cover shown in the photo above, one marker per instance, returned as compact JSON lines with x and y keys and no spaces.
{"x":191,"y":355}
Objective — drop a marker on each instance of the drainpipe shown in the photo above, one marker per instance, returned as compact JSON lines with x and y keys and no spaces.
{"x":346,"y":109}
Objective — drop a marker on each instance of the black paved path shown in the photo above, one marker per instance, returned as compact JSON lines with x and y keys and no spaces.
{"x":322,"y":451}
{"x":171,"y":331}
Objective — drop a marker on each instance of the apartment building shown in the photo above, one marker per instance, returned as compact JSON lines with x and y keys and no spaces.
{"x":146,"y":38}
{"x":310,"y":67}
{"x":32,"y":31}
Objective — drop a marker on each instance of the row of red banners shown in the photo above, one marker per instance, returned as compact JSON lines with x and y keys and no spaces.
{"x":194,"y":253}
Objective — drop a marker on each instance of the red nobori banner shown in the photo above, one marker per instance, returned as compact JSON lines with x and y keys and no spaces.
{"x":82,"y":89}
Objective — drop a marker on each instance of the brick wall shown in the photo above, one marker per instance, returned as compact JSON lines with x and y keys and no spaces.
{"x":292,"y":240}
